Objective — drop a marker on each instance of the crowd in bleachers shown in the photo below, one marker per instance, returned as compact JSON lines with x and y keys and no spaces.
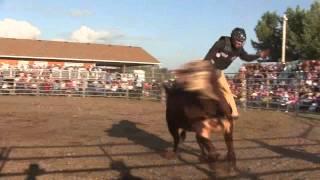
{"x":59,"y":80}
{"x":275,"y":84}
{"x":258,"y":84}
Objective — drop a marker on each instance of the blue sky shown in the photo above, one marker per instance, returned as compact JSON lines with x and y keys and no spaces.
{"x":174,"y":31}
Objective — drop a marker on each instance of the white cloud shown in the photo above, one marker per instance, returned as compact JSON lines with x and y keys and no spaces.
{"x":12,"y":28}
{"x":86,"y":34}
{"x":80,"y":13}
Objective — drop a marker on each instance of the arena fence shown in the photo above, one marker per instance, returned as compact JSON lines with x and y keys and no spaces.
{"x":43,"y":82}
{"x":287,"y":92}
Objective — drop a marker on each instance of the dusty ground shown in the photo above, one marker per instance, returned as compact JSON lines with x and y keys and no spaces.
{"x":99,"y":138}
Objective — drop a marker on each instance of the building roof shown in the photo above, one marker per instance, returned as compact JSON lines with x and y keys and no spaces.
{"x":72,"y":51}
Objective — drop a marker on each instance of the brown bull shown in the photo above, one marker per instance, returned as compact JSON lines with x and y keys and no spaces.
{"x":191,"y":111}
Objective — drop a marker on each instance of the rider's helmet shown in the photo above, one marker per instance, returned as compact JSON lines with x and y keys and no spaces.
{"x":238,"y":37}
{"x":238,"y":34}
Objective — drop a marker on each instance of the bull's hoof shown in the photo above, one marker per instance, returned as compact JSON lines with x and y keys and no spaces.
{"x":203,"y":159}
{"x":168,"y":155}
{"x":221,"y":168}
{"x":235,"y":117}
{"x":212,"y":157}
{"x":231,"y":157}
{"x":183,"y":136}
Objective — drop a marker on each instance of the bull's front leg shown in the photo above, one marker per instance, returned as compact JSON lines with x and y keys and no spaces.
{"x":183,"y":135}
{"x":203,"y":132}
{"x":205,"y":143}
{"x":202,"y":148}
{"x":174,"y":131}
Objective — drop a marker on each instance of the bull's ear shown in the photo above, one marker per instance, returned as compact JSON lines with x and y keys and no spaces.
{"x":166,"y":87}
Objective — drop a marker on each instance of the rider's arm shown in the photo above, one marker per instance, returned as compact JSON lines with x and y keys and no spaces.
{"x":248,"y":57}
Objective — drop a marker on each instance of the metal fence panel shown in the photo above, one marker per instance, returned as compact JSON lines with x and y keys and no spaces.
{"x":39,"y":82}
{"x":282,"y":92}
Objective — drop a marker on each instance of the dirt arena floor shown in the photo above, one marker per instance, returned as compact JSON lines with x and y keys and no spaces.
{"x":100,"y":138}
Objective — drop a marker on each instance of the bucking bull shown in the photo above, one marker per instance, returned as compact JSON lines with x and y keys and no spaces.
{"x":192,"y":106}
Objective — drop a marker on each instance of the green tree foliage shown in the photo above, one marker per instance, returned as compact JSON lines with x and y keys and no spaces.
{"x":303,"y":37}
{"x":311,"y":35}
{"x":295,"y":29}
{"x":268,"y":31}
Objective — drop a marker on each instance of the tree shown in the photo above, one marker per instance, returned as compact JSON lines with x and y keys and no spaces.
{"x":268,"y":31}
{"x":311,"y":35}
{"x":303,"y":37}
{"x":295,"y":30}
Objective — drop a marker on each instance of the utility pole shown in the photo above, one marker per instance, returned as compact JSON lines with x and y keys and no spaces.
{"x":284,"y":33}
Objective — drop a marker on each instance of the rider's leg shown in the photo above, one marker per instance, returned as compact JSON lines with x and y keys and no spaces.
{"x":226,"y":101}
{"x":224,"y":85}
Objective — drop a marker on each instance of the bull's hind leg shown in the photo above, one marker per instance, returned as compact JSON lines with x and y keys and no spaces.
{"x":228,"y":137}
